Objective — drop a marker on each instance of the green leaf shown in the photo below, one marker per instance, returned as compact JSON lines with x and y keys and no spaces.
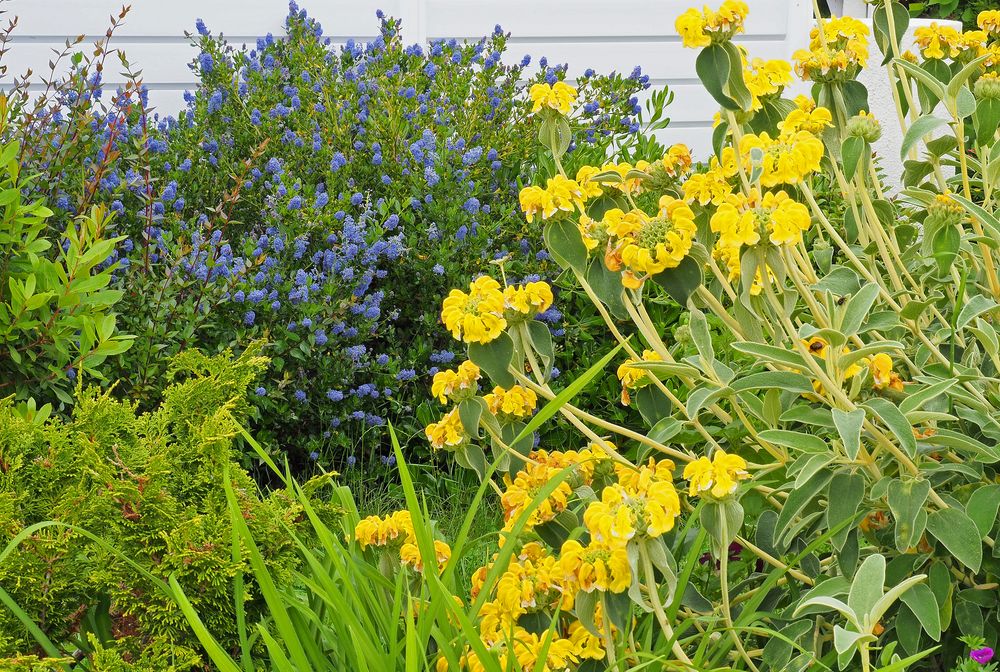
{"x":801,"y":497}
{"x":711,"y":517}
{"x":702,"y":397}
{"x":973,"y":308}
{"x":495,"y":359}
{"x":921,"y":601}
{"x":880,"y":22}
{"x":957,"y":82}
{"x":795,"y":440}
{"x":959,"y":535}
{"x":891,"y":417}
{"x":918,"y":130}
{"x":848,"y":426}
{"x":772,"y":354}
{"x":926,"y":394}
{"x":906,"y":501}
{"x":855,"y":97}
{"x":469,"y":411}
{"x":681,"y":282}
{"x":847,"y":641}
{"x":858,"y":308}
{"x":867,"y":586}
{"x":608,"y":287}
{"x":541,"y":342}
{"x":702,"y":339}
{"x":983,"y":507}
{"x":564,"y":242}
{"x":987,"y":119}
{"x":965,"y":103}
{"x":783,"y":380}
{"x":665,"y":429}
{"x":854,"y":152}
{"x":844,"y":496}
{"x":934,"y":85}
{"x":712,"y":66}
{"x":735,"y":85}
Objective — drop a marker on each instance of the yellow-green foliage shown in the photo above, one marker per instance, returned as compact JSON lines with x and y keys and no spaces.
{"x":150,"y":485}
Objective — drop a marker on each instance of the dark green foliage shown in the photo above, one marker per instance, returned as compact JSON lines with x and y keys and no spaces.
{"x":150,"y":486}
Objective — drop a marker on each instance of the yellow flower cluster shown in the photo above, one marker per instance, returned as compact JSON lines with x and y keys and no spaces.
{"x":805,"y":117}
{"x":447,"y":432}
{"x":838,"y":48}
{"x":586,"y":176}
{"x":525,"y":651}
{"x":677,"y":160}
{"x":559,"y":97}
{"x":941,"y":42}
{"x":377,"y":531}
{"x":719,"y":476}
{"x":516,"y":403}
{"x":713,"y":185}
{"x":521,"y":490}
{"x":788,"y":159}
{"x":639,"y":503}
{"x":989,"y":21}
{"x":533,"y":582}
{"x":542,"y":466}
{"x":396,"y":530}
{"x":409,"y":555}
{"x":633,"y":378}
{"x":646,"y":246}
{"x":528,"y":299}
{"x":643,"y":502}
{"x":765,"y":78}
{"x":741,"y":219}
{"x":476,"y":317}
{"x":700,"y":29}
{"x":451,"y":382}
{"x":560,"y":194}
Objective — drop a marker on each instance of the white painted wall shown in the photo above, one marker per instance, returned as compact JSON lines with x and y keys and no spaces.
{"x":602,"y":34}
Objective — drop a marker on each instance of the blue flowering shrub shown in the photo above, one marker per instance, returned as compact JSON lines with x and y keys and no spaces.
{"x":320,"y":197}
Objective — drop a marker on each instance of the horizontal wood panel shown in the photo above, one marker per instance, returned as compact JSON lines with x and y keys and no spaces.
{"x":664,"y":62}
{"x":586,"y":18}
{"x":661,"y":59}
{"x":157,"y":18}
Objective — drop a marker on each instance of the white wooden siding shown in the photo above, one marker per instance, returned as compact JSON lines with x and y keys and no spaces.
{"x":601,"y":34}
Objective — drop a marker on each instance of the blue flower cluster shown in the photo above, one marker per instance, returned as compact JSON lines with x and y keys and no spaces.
{"x":322,"y":198}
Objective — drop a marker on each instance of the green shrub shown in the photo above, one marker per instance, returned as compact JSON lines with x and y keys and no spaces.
{"x":55,"y":305}
{"x":148,"y":486}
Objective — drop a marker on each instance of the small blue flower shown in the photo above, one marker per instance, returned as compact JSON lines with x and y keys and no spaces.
{"x":206,"y":62}
{"x":300,"y":396}
{"x":260,"y":392}
{"x":314,"y":456}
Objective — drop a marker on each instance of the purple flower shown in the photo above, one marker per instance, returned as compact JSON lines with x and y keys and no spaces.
{"x":314,"y":456}
{"x":260,"y":392}
{"x":300,"y":396}
{"x":200,"y":26}
{"x":982,"y":656}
